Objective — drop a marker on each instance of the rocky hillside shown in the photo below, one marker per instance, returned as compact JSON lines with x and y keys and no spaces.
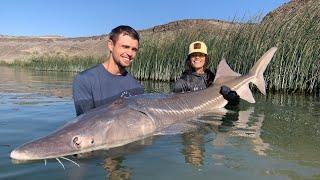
{"x":22,"y":48}
{"x":12,"y":48}
{"x":293,"y":7}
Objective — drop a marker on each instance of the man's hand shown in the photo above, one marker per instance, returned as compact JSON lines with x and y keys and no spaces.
{"x":231,"y":96}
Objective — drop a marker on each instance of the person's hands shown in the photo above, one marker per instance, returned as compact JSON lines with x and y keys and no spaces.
{"x":231,"y":96}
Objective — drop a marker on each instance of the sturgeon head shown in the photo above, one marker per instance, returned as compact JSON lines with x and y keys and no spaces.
{"x":102,"y":128}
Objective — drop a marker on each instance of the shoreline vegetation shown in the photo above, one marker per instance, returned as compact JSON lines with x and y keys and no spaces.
{"x":294,"y":69}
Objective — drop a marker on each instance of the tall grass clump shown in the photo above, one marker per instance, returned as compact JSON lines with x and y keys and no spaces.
{"x":296,"y":65}
{"x":3,"y":63}
{"x":59,"y":63}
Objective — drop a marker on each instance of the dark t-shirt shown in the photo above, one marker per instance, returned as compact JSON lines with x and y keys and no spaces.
{"x":96,"y":86}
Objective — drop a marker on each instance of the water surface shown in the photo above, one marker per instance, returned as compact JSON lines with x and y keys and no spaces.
{"x":276,"y":138}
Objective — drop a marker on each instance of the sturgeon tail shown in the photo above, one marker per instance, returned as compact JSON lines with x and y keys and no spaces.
{"x":224,"y":74}
{"x":259,"y":67}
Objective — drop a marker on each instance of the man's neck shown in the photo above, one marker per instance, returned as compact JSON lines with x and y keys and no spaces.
{"x":112,"y":67}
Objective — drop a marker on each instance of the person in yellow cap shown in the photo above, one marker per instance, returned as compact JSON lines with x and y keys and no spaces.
{"x":197,"y":75}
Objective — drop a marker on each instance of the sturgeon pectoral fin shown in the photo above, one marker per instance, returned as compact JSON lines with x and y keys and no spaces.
{"x":245,"y":93}
{"x":260,"y":83}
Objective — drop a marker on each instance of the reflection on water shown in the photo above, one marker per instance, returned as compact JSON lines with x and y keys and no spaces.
{"x":193,"y":148}
{"x":155,"y":87}
{"x":276,"y":138}
{"x":116,"y":170}
{"x":295,"y":131}
{"x":40,"y":82}
{"x":233,"y":123}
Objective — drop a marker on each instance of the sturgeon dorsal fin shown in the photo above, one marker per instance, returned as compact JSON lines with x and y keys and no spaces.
{"x":224,"y":70}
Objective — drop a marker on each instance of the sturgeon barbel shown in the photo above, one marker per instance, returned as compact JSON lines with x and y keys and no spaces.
{"x":130,"y":119}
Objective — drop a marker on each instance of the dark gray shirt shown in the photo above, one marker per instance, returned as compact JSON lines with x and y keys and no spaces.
{"x":192,"y":81}
{"x":96,"y":86}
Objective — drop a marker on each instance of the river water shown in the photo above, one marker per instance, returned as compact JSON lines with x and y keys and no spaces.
{"x":275,"y":138}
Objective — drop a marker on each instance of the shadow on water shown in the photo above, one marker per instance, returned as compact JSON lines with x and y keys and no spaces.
{"x":276,"y":138}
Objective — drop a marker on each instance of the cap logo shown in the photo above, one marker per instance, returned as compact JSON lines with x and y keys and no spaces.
{"x":197,"y":46}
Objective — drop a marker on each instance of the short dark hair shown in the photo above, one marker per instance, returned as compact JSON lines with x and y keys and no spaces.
{"x":123,"y":29}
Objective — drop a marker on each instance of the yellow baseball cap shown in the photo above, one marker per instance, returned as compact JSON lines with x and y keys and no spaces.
{"x":198,"y":46}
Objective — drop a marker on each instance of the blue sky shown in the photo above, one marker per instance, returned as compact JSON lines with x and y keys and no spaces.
{"x":74,"y":18}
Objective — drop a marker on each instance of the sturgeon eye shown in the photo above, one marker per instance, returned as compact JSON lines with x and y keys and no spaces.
{"x":92,"y":141}
{"x":76,"y":141}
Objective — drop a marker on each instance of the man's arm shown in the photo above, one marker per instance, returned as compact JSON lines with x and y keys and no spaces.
{"x":82,"y":95}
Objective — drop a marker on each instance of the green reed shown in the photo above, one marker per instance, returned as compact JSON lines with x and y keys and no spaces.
{"x":3,"y":63}
{"x":59,"y":63}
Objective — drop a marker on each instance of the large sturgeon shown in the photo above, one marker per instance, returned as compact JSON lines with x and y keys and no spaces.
{"x":131,"y":119}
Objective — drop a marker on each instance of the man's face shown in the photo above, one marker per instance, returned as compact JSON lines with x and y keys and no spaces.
{"x":124,"y":50}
